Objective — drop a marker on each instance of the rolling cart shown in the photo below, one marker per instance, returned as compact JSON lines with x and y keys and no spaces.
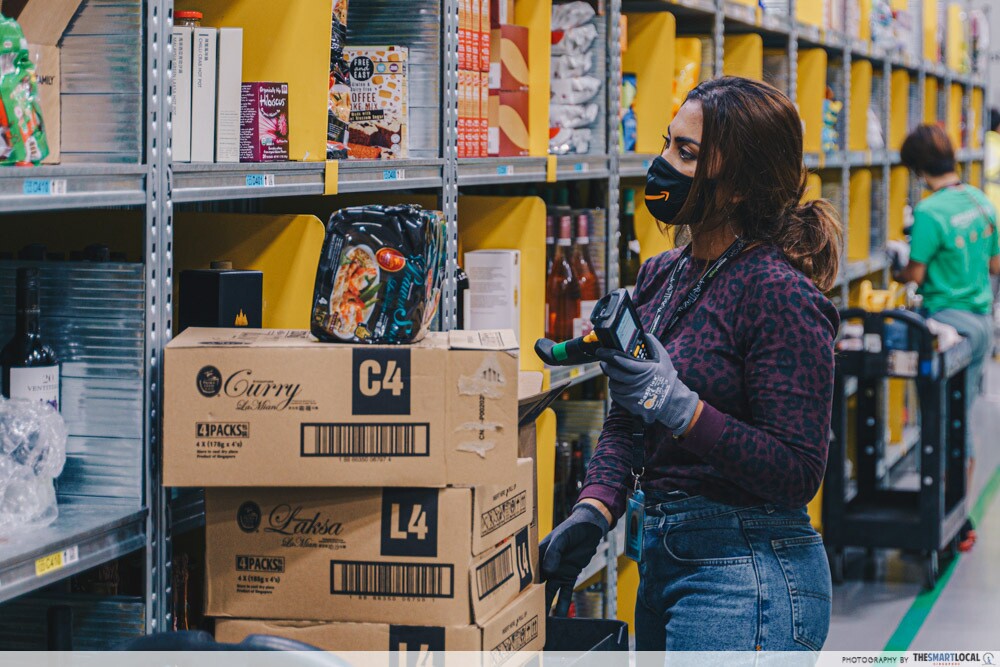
{"x":868,"y":511}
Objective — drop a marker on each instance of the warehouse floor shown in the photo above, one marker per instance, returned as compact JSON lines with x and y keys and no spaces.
{"x":893,"y":613}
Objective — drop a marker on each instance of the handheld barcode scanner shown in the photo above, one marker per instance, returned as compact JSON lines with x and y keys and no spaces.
{"x":616,"y":326}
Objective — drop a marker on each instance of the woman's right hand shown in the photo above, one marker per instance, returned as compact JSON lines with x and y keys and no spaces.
{"x":568,"y":549}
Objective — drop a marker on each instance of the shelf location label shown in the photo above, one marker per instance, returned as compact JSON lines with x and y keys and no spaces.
{"x":260,"y":180}
{"x":56,"y":561}
{"x":393,"y":174}
{"x":581,"y":166}
{"x":505,"y":170}
{"x":44,"y":186}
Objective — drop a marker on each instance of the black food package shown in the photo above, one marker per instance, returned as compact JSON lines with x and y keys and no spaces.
{"x":379,"y":276}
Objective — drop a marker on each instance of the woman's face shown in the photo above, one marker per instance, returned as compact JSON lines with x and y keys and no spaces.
{"x":683,"y":140}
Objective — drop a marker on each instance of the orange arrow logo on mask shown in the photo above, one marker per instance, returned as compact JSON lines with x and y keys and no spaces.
{"x":664,"y":195}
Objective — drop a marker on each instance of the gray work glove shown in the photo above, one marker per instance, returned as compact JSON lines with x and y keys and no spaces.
{"x":649,"y":388}
{"x":567,"y":550}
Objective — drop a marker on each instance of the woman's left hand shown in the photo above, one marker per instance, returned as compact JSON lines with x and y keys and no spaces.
{"x":649,"y":388}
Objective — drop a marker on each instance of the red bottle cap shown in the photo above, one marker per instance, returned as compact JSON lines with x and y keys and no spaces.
{"x":188,"y":15}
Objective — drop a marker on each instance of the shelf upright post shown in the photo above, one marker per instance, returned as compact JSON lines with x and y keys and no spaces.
{"x":159,"y":266}
{"x":845,"y":167}
{"x":885,"y":113}
{"x":793,"y":52}
{"x":921,"y":90}
{"x":719,"y":37}
{"x":449,"y":147}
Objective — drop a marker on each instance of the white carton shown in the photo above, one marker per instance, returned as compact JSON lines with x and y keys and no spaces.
{"x":229,"y":80}
{"x":183,"y":42}
{"x":203,"y":95}
{"x":494,"y":289}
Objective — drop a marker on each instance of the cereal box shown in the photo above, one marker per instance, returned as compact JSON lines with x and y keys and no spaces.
{"x":379,"y":102}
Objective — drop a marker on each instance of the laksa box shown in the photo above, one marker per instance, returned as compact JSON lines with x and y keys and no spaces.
{"x":444,"y":556}
{"x":517,"y":628}
{"x":277,"y":408}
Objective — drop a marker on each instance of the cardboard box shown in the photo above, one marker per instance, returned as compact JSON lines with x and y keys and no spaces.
{"x":43,"y":23}
{"x":379,"y":101}
{"x":449,"y":556}
{"x":509,"y":58}
{"x":501,"y":12}
{"x":264,"y":122}
{"x":203,"y":88}
{"x":518,"y":627}
{"x":494,"y":289}
{"x":183,"y":43}
{"x":277,"y":408}
{"x":229,"y":81}
{"x":508,"y":124}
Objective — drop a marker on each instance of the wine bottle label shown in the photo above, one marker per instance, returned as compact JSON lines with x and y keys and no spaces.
{"x":633,"y":245}
{"x":40,"y":383}
{"x":582,"y":325}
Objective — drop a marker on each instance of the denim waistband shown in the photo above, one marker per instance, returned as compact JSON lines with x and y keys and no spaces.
{"x":678,"y":506}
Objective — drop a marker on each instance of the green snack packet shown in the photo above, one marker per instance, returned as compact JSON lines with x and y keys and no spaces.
{"x":22,"y":130}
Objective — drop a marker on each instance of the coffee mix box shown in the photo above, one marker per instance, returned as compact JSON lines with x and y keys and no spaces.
{"x":264,"y":122}
{"x":507,"y":637}
{"x":379,"y":102}
{"x":451,"y":556}
{"x":274,"y":407}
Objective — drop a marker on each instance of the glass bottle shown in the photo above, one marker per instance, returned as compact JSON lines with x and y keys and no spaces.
{"x":562,"y":290}
{"x":628,"y":244}
{"x":583,"y":270}
{"x":30,"y":367}
{"x":184,"y":19}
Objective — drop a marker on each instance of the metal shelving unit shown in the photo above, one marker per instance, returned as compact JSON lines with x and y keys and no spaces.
{"x":87,"y":535}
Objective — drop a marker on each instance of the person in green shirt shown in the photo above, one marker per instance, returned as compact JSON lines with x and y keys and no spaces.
{"x":953,"y":250}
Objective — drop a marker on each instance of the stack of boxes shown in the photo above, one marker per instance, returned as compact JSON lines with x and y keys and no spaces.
{"x":473,"y":69}
{"x":508,"y":84}
{"x":360,"y":497}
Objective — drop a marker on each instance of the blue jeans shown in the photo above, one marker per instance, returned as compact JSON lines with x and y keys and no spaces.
{"x":721,"y":578}
{"x":979,"y":330}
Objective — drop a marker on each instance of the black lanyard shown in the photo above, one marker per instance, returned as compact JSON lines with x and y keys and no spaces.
{"x":738,"y":246}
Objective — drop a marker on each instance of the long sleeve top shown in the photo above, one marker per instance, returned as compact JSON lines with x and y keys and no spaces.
{"x":758,"y":349}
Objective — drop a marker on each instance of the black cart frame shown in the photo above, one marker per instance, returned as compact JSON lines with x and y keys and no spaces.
{"x":897,"y":344}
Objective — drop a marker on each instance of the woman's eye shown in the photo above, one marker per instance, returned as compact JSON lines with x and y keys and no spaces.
{"x":687,"y":155}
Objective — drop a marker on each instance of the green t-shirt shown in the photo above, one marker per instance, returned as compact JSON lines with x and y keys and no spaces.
{"x":953,"y":237}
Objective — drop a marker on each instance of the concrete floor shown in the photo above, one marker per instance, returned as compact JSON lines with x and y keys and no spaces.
{"x":966,"y":615}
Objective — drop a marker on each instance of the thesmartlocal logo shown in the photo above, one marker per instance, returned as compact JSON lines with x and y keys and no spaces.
{"x":950,"y":658}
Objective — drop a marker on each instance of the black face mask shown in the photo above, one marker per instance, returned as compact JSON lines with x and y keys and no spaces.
{"x":666,"y":190}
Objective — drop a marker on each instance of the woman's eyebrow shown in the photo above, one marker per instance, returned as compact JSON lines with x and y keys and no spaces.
{"x":687,"y":140}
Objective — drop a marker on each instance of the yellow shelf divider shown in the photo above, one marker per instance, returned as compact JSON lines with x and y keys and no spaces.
{"x":976,"y":130}
{"x":687,"y":54}
{"x":650,"y":57}
{"x":865,"y":20}
{"x":976,"y":174}
{"x":930,"y":100}
{"x":744,"y":56}
{"x":814,"y":188}
{"x":859,"y":231}
{"x":810,"y":12}
{"x":930,"y":30}
{"x":545,"y":462}
{"x":292,"y":46}
{"x":954,"y":38}
{"x":537,"y":17}
{"x":512,"y":223}
{"x":861,"y":96}
{"x":899,"y":108}
{"x":899,"y":190}
{"x":953,"y":123}
{"x":811,"y":92}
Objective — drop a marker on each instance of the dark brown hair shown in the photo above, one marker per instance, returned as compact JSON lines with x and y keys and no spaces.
{"x":750,"y":170}
{"x":928,"y":150}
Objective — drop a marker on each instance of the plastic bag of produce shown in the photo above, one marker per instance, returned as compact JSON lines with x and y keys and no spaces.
{"x":32,"y":454}
{"x":22,"y":131}
{"x":379,"y":276}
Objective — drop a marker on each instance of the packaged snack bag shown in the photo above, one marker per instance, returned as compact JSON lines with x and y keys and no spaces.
{"x":22,"y":130}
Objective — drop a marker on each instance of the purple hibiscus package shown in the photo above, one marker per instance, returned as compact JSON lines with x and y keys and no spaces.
{"x":264,"y":122}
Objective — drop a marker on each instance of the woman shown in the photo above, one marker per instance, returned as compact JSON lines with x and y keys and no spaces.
{"x":953,"y":251}
{"x":736,"y":398}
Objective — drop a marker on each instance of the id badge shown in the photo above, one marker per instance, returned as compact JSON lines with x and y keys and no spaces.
{"x":635,"y":515}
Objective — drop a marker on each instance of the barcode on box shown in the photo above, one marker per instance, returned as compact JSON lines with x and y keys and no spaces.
{"x":504,"y":513}
{"x":516,"y":641}
{"x":366,"y":439}
{"x":407,"y":580}
{"x":495,"y":572}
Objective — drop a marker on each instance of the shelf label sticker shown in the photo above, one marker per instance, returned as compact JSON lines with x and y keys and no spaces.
{"x":56,"y":561}
{"x":44,"y":186}
{"x":581,"y":167}
{"x":574,"y":372}
{"x":260,"y":180}
{"x":393,"y":174}
{"x":505,"y":170}
{"x":646,"y":164}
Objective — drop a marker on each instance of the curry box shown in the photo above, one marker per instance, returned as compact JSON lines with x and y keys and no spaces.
{"x":509,"y":58}
{"x":447,"y":556}
{"x":508,"y":124}
{"x":518,"y":627}
{"x":270,"y":407}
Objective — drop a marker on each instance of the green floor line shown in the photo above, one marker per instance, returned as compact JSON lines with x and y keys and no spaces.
{"x":918,"y":612}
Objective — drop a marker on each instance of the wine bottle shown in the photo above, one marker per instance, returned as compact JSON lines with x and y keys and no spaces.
{"x":628,"y":244}
{"x":30,"y":367}
{"x":563,"y":290}
{"x":583,"y":270}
